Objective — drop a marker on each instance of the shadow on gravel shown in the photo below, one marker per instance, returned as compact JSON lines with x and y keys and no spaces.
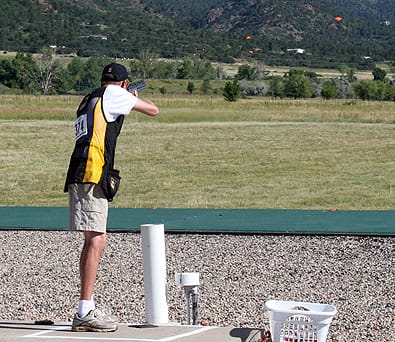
{"x":38,"y":325}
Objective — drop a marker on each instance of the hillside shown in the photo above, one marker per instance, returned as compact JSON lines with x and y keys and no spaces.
{"x":215,"y":29}
{"x":228,"y":15}
{"x":366,"y":29}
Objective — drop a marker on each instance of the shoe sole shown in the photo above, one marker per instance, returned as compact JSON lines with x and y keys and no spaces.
{"x":92,"y":329}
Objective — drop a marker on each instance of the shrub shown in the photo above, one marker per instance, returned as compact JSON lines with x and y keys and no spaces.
{"x":246,"y":72}
{"x":344,"y":88}
{"x":257,"y":88}
{"x":379,"y":74}
{"x":374,"y":90}
{"x":297,"y":85}
{"x":232,"y":91}
{"x":191,"y":87}
{"x":329,"y":90}
{"x":206,"y":86}
{"x":276,"y":86}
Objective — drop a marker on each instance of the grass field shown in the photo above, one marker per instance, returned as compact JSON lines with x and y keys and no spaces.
{"x":203,"y":152}
{"x":191,"y":108}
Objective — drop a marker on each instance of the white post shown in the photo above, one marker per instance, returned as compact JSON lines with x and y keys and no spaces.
{"x":190,"y":282}
{"x":154,"y":263}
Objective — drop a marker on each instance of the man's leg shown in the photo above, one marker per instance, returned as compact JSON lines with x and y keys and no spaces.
{"x":93,"y":319}
{"x":88,"y":210}
{"x":89,"y":262}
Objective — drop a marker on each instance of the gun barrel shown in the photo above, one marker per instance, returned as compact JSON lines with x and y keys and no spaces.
{"x":139,"y":85}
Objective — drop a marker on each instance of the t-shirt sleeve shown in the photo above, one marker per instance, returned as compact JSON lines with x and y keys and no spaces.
{"x":117,"y":101}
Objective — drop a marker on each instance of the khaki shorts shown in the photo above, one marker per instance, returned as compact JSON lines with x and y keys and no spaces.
{"x":88,"y":208}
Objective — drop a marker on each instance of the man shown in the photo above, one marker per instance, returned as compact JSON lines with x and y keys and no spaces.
{"x":92,"y":181}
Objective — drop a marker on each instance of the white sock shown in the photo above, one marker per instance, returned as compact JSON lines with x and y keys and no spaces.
{"x":85,"y":306}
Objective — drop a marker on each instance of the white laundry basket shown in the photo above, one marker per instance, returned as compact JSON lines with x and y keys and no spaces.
{"x":299,"y":321}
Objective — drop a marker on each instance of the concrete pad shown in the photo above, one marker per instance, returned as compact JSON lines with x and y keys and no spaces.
{"x":17,"y":331}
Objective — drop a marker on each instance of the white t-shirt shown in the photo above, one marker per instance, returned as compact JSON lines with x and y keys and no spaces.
{"x":117,"y":101}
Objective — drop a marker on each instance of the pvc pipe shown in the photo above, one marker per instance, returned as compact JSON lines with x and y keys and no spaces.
{"x":187,"y":279}
{"x":188,"y":305}
{"x":190,"y":282}
{"x":195,"y":313}
{"x":154,"y":264}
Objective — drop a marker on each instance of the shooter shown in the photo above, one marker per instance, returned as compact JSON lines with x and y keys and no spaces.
{"x":92,"y":181}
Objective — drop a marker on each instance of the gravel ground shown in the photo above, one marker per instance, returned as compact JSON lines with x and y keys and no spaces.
{"x":238,"y":273}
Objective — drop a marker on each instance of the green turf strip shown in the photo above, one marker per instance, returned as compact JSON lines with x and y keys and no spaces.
{"x":256,"y":221}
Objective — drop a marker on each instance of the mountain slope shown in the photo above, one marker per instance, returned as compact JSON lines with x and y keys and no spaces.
{"x":208,"y":14}
{"x":214,"y":29}
{"x":367,"y":27}
{"x":120,"y":28}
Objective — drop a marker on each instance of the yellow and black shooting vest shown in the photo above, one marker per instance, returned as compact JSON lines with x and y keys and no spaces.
{"x":95,"y":144}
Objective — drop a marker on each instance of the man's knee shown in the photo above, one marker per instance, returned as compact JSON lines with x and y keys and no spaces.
{"x":95,"y":240}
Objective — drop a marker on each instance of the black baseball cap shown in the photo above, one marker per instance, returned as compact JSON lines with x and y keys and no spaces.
{"x":114,"y":72}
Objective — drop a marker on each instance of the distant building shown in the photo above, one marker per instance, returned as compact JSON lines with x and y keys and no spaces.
{"x":300,"y":51}
{"x":96,"y":36}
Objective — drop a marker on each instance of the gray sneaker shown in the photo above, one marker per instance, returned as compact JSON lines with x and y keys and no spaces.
{"x":95,"y":320}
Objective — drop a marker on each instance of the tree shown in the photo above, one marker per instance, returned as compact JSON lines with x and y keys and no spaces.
{"x":14,"y":73}
{"x":342,"y":69}
{"x":344,"y":88}
{"x":297,"y":85}
{"x":347,"y":72}
{"x":164,"y":70}
{"x":203,"y":69}
{"x":379,"y":74}
{"x":91,"y":73}
{"x":196,"y":69}
{"x":185,"y":70}
{"x":246,"y":72}
{"x":374,"y":90}
{"x":8,"y":73}
{"x":276,"y":86}
{"x":253,"y":88}
{"x":206,"y":86}
{"x":363,"y":90}
{"x":75,"y":70}
{"x":329,"y":90}
{"x":64,"y":81}
{"x":350,"y":77}
{"x":219,"y":73}
{"x":45,"y":73}
{"x":191,"y":87}
{"x":232,"y":91}
{"x":144,"y":67}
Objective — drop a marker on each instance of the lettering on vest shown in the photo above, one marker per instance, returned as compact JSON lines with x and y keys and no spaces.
{"x":81,"y":126}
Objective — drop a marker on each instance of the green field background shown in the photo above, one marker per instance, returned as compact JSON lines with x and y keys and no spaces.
{"x":204,"y":152}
